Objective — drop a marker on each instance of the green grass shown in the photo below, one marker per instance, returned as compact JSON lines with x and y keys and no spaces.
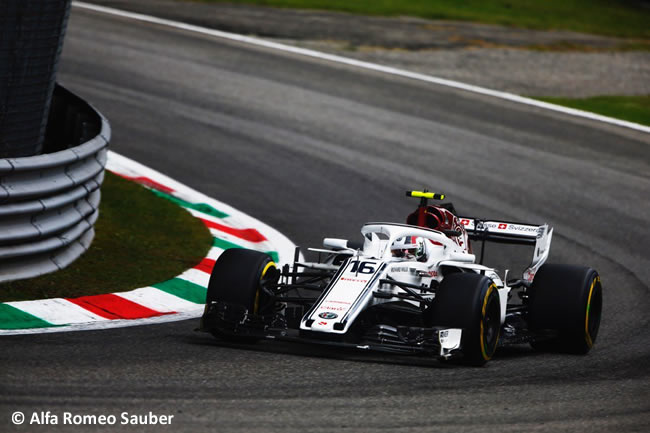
{"x":632,"y":108}
{"x":141,"y":239}
{"x":623,"y":18}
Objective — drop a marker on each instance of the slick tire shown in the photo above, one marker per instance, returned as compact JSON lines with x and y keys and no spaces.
{"x":237,"y":278}
{"x":470,"y":301}
{"x":566,"y":300}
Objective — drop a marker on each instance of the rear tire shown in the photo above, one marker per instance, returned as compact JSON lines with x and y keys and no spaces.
{"x":470,"y":301}
{"x":237,"y":278}
{"x":568,"y":300}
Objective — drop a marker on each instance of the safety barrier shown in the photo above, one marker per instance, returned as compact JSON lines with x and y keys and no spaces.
{"x":31,"y":41}
{"x":49,"y":203}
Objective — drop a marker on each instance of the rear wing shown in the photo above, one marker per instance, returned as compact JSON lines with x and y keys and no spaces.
{"x":512,"y":233}
{"x":505,"y":232}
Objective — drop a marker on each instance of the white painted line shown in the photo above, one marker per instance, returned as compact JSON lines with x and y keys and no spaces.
{"x":361,"y":64}
{"x":57,"y":311}
{"x":214,"y":253}
{"x":195,"y":276}
{"x":159,"y":300}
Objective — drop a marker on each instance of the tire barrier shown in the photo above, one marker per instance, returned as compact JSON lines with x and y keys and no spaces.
{"x":49,"y":203}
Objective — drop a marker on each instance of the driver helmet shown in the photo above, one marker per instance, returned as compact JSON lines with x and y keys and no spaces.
{"x":409,"y":247}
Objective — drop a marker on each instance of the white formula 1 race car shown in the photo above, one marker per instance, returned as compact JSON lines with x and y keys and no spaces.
{"x":409,"y":288}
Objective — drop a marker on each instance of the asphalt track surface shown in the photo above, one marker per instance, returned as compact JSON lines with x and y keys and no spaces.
{"x":315,"y":149}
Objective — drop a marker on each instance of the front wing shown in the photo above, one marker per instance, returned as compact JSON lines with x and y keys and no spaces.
{"x":236,"y":321}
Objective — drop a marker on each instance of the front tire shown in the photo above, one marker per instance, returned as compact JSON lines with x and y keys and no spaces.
{"x":470,"y":301}
{"x":566,"y":300}
{"x":237,"y":278}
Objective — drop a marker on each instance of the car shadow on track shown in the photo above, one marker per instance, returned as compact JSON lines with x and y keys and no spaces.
{"x":318,"y":351}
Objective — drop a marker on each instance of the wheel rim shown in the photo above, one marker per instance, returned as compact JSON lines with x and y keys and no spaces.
{"x":256,"y":302}
{"x":593,"y":312}
{"x":490,"y":324}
